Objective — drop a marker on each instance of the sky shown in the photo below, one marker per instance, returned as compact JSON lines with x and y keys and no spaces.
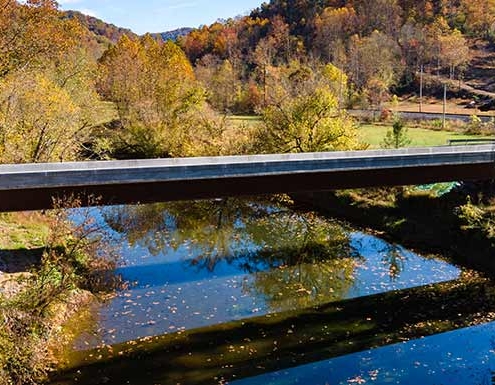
{"x":143,"y":16}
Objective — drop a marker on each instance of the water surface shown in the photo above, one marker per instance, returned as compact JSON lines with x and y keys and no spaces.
{"x":460,"y":357}
{"x":194,"y":264}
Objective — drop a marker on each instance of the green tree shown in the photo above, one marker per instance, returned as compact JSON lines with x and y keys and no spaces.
{"x":304,"y":115}
{"x":397,"y":136}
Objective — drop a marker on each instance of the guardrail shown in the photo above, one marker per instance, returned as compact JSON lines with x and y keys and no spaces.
{"x":33,"y":186}
{"x":453,"y":142}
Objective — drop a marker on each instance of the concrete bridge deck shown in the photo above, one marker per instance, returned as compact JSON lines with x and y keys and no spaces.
{"x":32,"y":186}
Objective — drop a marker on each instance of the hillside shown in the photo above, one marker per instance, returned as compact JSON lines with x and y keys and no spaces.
{"x":480,"y":73}
{"x":173,"y":35}
{"x":100,"y":28}
{"x":110,"y":33}
{"x":379,"y":45}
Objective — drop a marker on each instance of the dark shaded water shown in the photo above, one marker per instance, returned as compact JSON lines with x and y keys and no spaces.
{"x":462,"y":357}
{"x":195,"y":264}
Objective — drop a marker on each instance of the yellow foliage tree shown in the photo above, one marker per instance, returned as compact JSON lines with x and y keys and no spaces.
{"x":159,"y":101}
{"x":32,"y":33}
{"x":39,"y":121}
{"x":304,"y":114}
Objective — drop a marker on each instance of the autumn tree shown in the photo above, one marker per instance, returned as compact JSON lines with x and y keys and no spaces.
{"x":158,"y":99}
{"x":373,"y":73}
{"x":449,"y":48}
{"x":221,"y":82}
{"x":333,"y":28}
{"x":412,"y":41}
{"x":39,"y":120}
{"x":196,"y":43}
{"x":305,"y":116}
{"x":33,"y":33}
{"x":454,"y":51}
{"x":480,"y":17}
{"x":47,"y":93}
{"x":384,"y":16}
{"x":337,"y":81}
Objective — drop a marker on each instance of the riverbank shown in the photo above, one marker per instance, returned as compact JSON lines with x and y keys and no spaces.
{"x":48,"y":271}
{"x":457,"y":225}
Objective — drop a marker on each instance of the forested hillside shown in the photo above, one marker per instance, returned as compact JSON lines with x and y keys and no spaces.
{"x":379,"y":44}
{"x":173,"y":35}
{"x":99,"y":27}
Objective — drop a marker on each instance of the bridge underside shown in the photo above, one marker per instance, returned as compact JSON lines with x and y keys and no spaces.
{"x":147,"y":192}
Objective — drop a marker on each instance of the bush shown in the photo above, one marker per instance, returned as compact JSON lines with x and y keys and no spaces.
{"x":76,"y":257}
{"x":396,"y":137}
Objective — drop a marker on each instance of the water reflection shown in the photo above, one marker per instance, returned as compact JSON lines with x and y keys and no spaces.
{"x":293,"y":259}
{"x":262,"y":235}
{"x":460,"y":357}
{"x":194,"y":264}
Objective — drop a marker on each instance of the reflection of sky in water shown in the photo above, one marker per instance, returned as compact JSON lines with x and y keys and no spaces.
{"x":169,"y":293}
{"x":373,"y":275}
{"x":461,"y":357}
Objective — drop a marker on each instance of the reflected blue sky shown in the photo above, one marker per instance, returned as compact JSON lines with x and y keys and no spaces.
{"x":168,"y":293}
{"x":461,"y":357}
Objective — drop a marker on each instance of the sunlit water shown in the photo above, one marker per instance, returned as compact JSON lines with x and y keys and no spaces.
{"x":176,"y":285}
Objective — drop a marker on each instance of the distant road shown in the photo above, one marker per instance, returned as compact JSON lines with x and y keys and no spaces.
{"x":420,"y":115}
{"x":456,"y":84}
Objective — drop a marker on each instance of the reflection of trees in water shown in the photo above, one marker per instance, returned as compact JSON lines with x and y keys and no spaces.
{"x":395,"y":259}
{"x":393,"y":256}
{"x":310,"y":260}
{"x":212,"y":230}
{"x":297,"y":259}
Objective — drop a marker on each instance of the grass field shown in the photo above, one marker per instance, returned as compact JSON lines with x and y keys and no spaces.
{"x":373,"y":134}
{"x":420,"y":137}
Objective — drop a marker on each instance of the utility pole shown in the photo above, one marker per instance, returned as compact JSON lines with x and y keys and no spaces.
{"x":444,"y":104}
{"x":421,"y":89}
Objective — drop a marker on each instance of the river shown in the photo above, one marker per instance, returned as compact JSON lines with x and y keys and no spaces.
{"x":251,"y":292}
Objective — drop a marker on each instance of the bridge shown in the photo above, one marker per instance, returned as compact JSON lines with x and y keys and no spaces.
{"x":33,"y":186}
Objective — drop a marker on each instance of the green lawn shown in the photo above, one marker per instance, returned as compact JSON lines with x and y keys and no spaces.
{"x":420,"y":137}
{"x":374,"y":134}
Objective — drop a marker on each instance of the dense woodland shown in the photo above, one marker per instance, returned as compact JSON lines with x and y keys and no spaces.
{"x":299,"y":64}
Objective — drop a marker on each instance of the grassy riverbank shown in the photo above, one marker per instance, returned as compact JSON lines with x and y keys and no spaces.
{"x":48,"y":270}
{"x":373,"y":134}
{"x":421,"y":134}
{"x":459,"y":224}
